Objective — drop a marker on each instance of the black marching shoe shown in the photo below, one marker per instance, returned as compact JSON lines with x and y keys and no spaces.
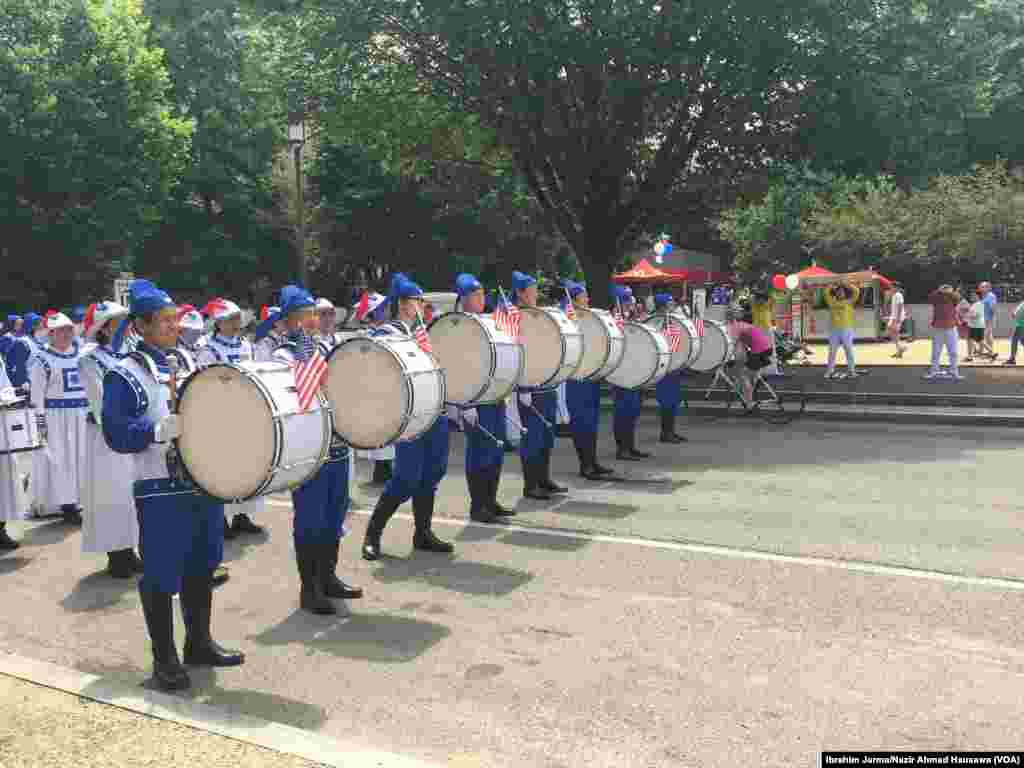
{"x":381,"y":472}
{"x":386,"y":506}
{"x":121,"y":563}
{"x":544,"y":475}
{"x":6,"y":542}
{"x":493,"y":480}
{"x":479,"y":508}
{"x":312,"y":597}
{"x":201,"y":650}
{"x":333,"y":586}
{"x":531,"y":485}
{"x":136,"y":562}
{"x":668,"y":429}
{"x":587,"y":469}
{"x":633,"y":449}
{"x":168,"y":673}
{"x":72,"y":514}
{"x":229,"y":533}
{"x":424,"y":538}
{"x":601,"y":470}
{"x":622,"y":450}
{"x":242,"y":523}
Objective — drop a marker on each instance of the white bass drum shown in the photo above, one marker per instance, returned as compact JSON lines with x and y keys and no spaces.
{"x":646,"y":360}
{"x":604,"y":344}
{"x":552,"y":347}
{"x":481,"y":363}
{"x":716,"y":348}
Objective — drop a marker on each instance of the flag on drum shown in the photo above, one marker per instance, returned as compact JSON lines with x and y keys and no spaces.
{"x":309,"y":371}
{"x":507,"y":318}
{"x":617,"y":316}
{"x":420,"y":332}
{"x":672,"y":336}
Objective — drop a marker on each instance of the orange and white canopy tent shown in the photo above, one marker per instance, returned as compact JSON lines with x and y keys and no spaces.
{"x":645,"y":272}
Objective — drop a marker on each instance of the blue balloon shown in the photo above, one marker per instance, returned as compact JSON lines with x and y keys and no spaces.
{"x":668,"y":248}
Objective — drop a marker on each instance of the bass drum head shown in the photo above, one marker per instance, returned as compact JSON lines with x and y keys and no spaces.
{"x":463,"y":349}
{"x":366,"y":387}
{"x":596,"y":343}
{"x":715,"y":348}
{"x":541,"y":340}
{"x":681,"y":357}
{"x":227,"y":431}
{"x":641,"y":359}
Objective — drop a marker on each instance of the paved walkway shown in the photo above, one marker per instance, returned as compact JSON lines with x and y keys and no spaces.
{"x":919,"y":352}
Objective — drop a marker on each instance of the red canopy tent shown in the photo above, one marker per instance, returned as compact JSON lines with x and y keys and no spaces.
{"x":645,"y":272}
{"x":814,"y":271}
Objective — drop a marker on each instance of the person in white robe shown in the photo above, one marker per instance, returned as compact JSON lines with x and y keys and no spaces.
{"x":110,"y":521}
{"x":264,"y":345}
{"x":225,"y":345}
{"x":12,"y":505}
{"x":59,"y":401}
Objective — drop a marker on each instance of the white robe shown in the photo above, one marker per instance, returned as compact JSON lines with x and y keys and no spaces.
{"x":563,"y":406}
{"x":110,"y":522}
{"x":513,"y":427}
{"x":12,"y":500}
{"x":57,"y":392}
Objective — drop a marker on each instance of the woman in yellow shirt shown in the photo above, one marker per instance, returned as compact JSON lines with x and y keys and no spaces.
{"x":841,"y":299}
{"x":762,"y":316}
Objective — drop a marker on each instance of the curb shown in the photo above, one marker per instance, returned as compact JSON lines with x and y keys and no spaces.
{"x":277,"y":737}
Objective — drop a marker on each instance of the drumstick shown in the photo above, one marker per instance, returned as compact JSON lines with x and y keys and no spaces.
{"x":499,"y":443}
{"x":174,"y":472}
{"x":540,"y":416}
{"x":522,"y":430}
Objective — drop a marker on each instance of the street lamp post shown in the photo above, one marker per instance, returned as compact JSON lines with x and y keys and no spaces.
{"x":297,"y":139}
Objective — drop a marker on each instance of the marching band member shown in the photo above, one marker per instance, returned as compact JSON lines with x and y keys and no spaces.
{"x":12,"y":329}
{"x":535,"y":409}
{"x":59,"y":400}
{"x":669,"y":391}
{"x":484,"y":457}
{"x":327,"y":315}
{"x":9,"y":507}
{"x":583,"y":399}
{"x":191,"y":330}
{"x":627,"y":401}
{"x":226,"y":345}
{"x":381,"y":457}
{"x":180,"y":529}
{"x":322,"y":501}
{"x":111,"y":525}
{"x":23,"y":349}
{"x":268,"y":337}
{"x":420,"y":464}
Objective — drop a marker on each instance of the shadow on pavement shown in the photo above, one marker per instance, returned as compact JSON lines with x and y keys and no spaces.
{"x":99,"y":591}
{"x":232,"y":701}
{"x":51,"y":532}
{"x":474,"y":533}
{"x":457,"y":575}
{"x":11,"y":564}
{"x":542,"y":541}
{"x":237,"y":548}
{"x":367,"y":637}
{"x":596,"y":509}
{"x":654,"y":485}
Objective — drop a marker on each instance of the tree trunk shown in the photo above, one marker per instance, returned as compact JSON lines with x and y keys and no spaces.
{"x":599,"y":257}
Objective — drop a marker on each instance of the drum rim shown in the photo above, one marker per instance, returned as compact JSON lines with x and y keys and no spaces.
{"x":475,"y":400}
{"x":550,"y":383}
{"x":599,"y":373}
{"x":276,"y":416}
{"x":694,"y":352}
{"x":725,"y":334}
{"x":407,"y":417}
{"x":654,"y":334}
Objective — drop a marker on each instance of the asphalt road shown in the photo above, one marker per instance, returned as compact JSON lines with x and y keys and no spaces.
{"x":756,"y":595}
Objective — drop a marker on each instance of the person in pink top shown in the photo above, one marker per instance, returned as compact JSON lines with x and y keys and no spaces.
{"x":756,"y":342}
{"x":944,"y":303}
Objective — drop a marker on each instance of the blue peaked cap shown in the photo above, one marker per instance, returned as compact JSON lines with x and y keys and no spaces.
{"x":77,"y":313}
{"x":403,"y":288}
{"x":11,"y":320}
{"x":574,"y":288}
{"x":31,"y":321}
{"x":144,"y":297}
{"x":292,"y":299}
{"x":521,"y":281}
{"x":662,"y":299}
{"x":466,"y":284}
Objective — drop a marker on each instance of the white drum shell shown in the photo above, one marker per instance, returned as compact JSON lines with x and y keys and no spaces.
{"x":716,"y":347}
{"x":481,"y":363}
{"x":242,"y":433}
{"x":383,"y":390}
{"x":552,"y":347}
{"x":689,"y":341}
{"x":646,"y":360}
{"x":604,"y":344}
{"x":18,"y":430}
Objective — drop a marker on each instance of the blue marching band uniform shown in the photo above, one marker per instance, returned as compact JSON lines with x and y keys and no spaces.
{"x":668,"y":391}
{"x":627,"y":401}
{"x":419,"y":465}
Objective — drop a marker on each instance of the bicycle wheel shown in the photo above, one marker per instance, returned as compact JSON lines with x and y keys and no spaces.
{"x":779,"y":407}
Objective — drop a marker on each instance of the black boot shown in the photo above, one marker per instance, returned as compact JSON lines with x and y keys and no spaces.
{"x":479,"y":509}
{"x":136,"y":561}
{"x":312,"y":597}
{"x":6,"y":542}
{"x":386,"y":506}
{"x":531,"y":483}
{"x":622,"y":450}
{"x":121,"y":563}
{"x":333,"y":586}
{"x":72,"y":514}
{"x":381,"y":472}
{"x":544,"y":475}
{"x":424,"y":538}
{"x":587,"y":468}
{"x":601,"y":470}
{"x":632,"y":446}
{"x":201,"y":650}
{"x":168,"y":673}
{"x":242,"y":523}
{"x":493,"y":481}
{"x":668,"y":428}
{"x":229,"y":532}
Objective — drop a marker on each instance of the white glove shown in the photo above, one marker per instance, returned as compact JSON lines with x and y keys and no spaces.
{"x":469,"y":416}
{"x":166,"y":430}
{"x":525,"y":399}
{"x":8,"y":395}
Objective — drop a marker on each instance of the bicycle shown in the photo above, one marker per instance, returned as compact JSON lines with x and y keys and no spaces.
{"x":774,"y":406}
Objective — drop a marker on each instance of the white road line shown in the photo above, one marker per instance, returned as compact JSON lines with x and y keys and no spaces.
{"x":741,"y":553}
{"x":250,"y":730}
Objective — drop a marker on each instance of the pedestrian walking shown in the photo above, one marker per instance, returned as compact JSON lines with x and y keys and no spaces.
{"x":989,"y":299}
{"x":1018,"y":333}
{"x":975,"y":327}
{"x":897,"y":314}
{"x":944,"y":302}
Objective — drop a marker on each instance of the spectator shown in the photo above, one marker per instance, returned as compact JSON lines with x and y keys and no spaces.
{"x":841,"y":299}
{"x":975,"y":327}
{"x":963,"y":311}
{"x":989,"y":299}
{"x":1018,"y":333}
{"x":944,"y":302}
{"x":897,"y":314}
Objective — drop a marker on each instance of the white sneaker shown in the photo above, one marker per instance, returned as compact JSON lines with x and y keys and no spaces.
{"x":957,"y":376}
{"x":933,"y":375}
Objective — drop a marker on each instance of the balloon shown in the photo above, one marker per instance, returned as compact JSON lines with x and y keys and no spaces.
{"x":659,"y":248}
{"x":779,"y":282}
{"x":668,"y":248}
{"x":792,"y":282}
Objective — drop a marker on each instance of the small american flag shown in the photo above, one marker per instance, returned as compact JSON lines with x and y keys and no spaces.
{"x":420,"y":333}
{"x":506,"y":317}
{"x":310,"y":368}
{"x":570,"y":310}
{"x":699,"y":325}
{"x":672,"y":336}
{"x":617,"y":316}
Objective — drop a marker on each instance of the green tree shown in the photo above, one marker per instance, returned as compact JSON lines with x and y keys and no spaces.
{"x":92,"y":144}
